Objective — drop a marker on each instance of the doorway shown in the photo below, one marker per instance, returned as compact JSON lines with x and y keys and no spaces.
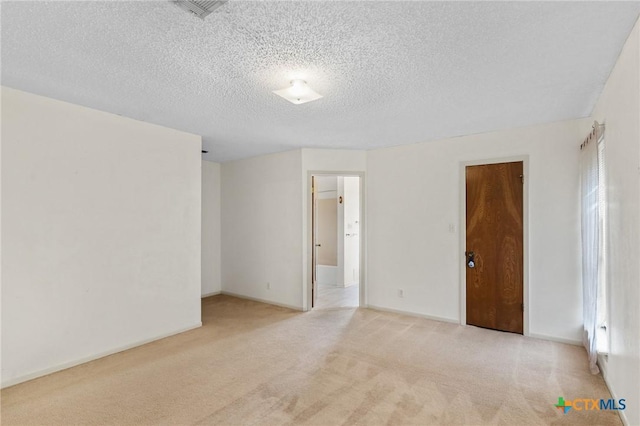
{"x":494,"y":246}
{"x":335,"y":241}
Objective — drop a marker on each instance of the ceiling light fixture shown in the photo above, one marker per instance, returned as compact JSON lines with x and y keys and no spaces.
{"x":298,"y":93}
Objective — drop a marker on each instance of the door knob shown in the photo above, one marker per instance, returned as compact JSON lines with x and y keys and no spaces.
{"x":471,"y":261}
{"x":318,"y":245}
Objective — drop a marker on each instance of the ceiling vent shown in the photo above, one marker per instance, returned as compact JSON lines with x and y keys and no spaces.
{"x":199,"y":8}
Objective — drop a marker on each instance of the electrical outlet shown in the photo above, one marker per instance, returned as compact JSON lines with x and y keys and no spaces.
{"x":400,"y":292}
{"x":268,"y":286}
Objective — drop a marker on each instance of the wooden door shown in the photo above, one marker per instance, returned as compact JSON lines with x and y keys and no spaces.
{"x":494,"y":195}
{"x":314,"y":242}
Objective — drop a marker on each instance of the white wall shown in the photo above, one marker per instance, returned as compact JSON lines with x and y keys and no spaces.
{"x":414,"y":195}
{"x":261,"y":228}
{"x":619,"y":109}
{"x":211,"y":274}
{"x":333,"y":160}
{"x":101,"y":233}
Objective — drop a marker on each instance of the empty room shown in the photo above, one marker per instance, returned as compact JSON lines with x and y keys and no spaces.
{"x":320,"y":212}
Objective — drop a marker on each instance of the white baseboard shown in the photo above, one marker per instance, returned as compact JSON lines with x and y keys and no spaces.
{"x":214,"y":293}
{"x":257,"y":299}
{"x":414,"y":314}
{"x":64,"y":366}
{"x":555,"y":339}
{"x":327,"y":275}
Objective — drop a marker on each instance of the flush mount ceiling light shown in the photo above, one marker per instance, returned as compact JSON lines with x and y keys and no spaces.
{"x":298,"y":93}
{"x":199,"y":8}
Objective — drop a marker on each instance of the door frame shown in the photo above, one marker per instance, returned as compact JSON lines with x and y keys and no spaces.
{"x":462,"y":243}
{"x":362,"y":284}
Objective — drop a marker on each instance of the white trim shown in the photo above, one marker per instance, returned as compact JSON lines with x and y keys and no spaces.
{"x":66,"y":365}
{"x":555,"y":339}
{"x":525,"y":235}
{"x":214,"y":293}
{"x":413,"y":314}
{"x":306,"y":285}
{"x":257,"y":299}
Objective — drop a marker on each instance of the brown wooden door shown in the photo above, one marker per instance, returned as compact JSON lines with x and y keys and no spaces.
{"x":494,"y":241}
{"x":314,"y":238}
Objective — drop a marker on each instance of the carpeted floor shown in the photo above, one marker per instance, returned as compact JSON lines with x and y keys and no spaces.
{"x":256,"y":364}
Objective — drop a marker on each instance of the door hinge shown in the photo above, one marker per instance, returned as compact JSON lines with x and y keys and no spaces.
{"x":522,"y":307}
{"x":522,"y":178}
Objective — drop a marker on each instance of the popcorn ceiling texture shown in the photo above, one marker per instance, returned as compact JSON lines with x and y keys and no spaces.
{"x":390,"y":72}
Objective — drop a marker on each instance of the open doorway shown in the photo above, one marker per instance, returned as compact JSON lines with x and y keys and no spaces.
{"x":335,"y":241}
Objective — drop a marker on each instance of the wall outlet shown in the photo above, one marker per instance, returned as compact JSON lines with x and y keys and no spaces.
{"x":400,"y":292}
{"x":268,"y":286}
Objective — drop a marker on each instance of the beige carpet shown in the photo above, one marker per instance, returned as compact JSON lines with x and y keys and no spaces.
{"x":255,"y":364}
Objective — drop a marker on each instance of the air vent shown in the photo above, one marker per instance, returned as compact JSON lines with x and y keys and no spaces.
{"x":199,"y":8}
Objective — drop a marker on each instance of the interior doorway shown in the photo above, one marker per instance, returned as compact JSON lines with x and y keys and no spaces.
{"x":494,"y":249}
{"x":335,"y":240}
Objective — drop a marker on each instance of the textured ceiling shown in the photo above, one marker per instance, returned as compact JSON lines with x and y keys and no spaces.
{"x":391,"y":72}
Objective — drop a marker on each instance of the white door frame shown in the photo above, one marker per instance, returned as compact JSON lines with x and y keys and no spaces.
{"x":362,"y":284}
{"x":525,"y":234}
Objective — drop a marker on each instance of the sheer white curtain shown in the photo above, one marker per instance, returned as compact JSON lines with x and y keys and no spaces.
{"x":590,"y":245}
